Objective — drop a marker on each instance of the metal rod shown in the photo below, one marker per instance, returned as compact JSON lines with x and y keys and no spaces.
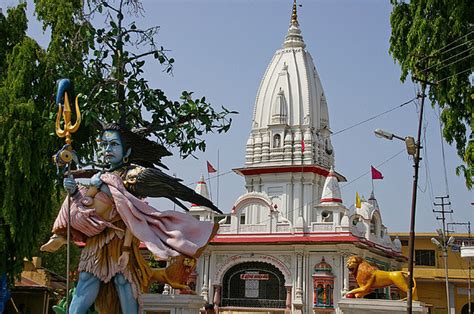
{"x":218,"y":175}
{"x":68,"y":246}
{"x":411,"y":241}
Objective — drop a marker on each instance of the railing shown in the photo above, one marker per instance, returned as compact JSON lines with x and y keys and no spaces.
{"x":282,"y":227}
{"x":224,"y":229}
{"x":266,"y":303}
{"x":322,"y":226}
{"x":252,"y":228}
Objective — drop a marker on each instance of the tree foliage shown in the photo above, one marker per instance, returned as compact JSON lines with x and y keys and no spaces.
{"x":433,"y":40}
{"x":113,"y":84}
{"x":106,"y":62}
{"x":26,"y":172}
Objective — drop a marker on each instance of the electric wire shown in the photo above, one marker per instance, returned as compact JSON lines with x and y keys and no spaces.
{"x":374,"y":117}
{"x":428,"y":177}
{"x":447,"y":45}
{"x":461,"y":44}
{"x":447,"y":59}
{"x":455,"y":61}
{"x":448,"y":77}
{"x":443,"y":154}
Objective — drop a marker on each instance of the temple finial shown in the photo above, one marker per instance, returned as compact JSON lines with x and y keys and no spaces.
{"x":294,"y":15}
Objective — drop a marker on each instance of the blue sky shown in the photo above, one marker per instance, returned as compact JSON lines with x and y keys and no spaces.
{"x":222,"y":49}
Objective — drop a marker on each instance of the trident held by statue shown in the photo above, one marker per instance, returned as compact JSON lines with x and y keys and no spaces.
{"x":66,"y":154}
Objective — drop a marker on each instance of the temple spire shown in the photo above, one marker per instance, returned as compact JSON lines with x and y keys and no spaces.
{"x":293,"y":38}
{"x":294,"y":15}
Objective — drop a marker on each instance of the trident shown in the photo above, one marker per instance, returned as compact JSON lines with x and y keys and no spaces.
{"x":66,"y":155}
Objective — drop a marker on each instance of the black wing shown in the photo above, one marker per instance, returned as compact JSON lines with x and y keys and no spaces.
{"x":152,"y":182}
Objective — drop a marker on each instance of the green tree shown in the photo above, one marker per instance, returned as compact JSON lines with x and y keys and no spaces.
{"x":26,"y":173}
{"x":106,"y":64}
{"x":117,"y":90}
{"x":433,"y":40}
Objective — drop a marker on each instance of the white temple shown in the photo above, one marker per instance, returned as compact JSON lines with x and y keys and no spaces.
{"x":284,"y":245}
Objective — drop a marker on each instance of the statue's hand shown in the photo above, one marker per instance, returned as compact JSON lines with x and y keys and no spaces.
{"x":96,"y":181}
{"x":70,"y":185}
{"x":123,"y":260}
{"x":54,"y":243}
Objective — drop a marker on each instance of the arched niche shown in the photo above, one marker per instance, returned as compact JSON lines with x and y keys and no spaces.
{"x":252,"y":198}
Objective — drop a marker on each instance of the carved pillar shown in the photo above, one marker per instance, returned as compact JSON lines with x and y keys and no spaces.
{"x":299,"y":274}
{"x":345,"y":276}
{"x":205,"y":276}
{"x":288,"y":300}
{"x":217,"y":297}
{"x":298,"y":202}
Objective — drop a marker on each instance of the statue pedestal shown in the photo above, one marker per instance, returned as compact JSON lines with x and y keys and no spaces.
{"x":171,"y":303}
{"x":373,"y":306}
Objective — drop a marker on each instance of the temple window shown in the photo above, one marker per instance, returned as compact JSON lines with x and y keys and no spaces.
{"x":326,"y":216}
{"x":242,"y":219}
{"x":276,"y":141}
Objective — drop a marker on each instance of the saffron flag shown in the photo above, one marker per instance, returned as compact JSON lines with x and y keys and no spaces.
{"x":358,"y":203}
{"x":302,"y":145}
{"x":210,"y":168}
{"x":376,"y":175}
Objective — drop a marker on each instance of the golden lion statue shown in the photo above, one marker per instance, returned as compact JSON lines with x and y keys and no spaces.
{"x":369,"y":277}
{"x":177,"y":273}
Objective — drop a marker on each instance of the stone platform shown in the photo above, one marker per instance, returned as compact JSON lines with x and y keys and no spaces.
{"x":171,"y":303}
{"x":376,"y":306}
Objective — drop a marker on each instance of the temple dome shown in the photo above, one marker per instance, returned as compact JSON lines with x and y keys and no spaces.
{"x":291,"y":100}
{"x":331,"y":190}
{"x":323,"y":266}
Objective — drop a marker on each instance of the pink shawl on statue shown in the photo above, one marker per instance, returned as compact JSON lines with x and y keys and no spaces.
{"x":165,"y":234}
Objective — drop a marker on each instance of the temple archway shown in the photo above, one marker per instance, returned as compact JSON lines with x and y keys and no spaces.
{"x":254,"y":284}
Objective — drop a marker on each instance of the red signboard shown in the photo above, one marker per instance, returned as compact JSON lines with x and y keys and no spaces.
{"x":255,"y":276}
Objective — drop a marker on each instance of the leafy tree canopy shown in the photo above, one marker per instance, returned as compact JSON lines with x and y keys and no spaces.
{"x":106,"y":62}
{"x":433,"y":40}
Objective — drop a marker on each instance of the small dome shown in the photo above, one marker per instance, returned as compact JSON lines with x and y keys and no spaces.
{"x":322,"y":266}
{"x":373,"y":201}
{"x":331,"y":190}
{"x":366,"y":210}
{"x":397,"y":244}
{"x":360,"y":227}
{"x":345,"y":220}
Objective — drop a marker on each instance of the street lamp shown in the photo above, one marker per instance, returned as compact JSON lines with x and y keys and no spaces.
{"x":409,"y":140}
{"x":413,"y":149}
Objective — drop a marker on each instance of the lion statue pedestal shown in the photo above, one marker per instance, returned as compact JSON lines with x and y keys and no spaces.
{"x":373,"y":306}
{"x":171,"y":303}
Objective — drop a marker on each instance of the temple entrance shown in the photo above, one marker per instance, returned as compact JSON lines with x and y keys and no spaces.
{"x":254,"y":285}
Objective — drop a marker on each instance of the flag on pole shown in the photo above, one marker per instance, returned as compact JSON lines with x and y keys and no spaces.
{"x":358,"y":203}
{"x":210,"y":168}
{"x":376,"y":175}
{"x":302,"y":145}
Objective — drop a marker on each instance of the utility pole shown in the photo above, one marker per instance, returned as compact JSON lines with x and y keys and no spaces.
{"x":444,"y":242}
{"x":416,"y":164}
{"x":468,"y":224}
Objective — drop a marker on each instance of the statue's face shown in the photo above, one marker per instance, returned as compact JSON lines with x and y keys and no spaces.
{"x":112,"y":148}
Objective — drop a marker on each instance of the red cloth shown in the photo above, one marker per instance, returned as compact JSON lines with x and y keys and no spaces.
{"x":376,"y":175}
{"x":302,"y":146}
{"x":210,"y":168}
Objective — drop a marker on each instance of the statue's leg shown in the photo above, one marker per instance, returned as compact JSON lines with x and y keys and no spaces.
{"x":124,"y":289}
{"x":86,"y":292}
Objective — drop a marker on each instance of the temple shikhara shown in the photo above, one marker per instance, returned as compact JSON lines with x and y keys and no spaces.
{"x":285,"y":244}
